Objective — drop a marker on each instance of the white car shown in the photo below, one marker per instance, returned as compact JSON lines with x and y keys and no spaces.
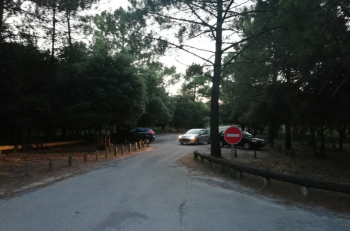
{"x":195,"y":136}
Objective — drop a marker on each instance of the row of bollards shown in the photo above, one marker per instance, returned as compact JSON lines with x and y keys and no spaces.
{"x":137,"y":145}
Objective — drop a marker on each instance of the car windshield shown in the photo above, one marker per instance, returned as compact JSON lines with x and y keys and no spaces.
{"x":193,"y":131}
{"x":247,"y":134}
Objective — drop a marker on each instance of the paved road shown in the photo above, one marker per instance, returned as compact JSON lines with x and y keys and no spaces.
{"x":153,"y":191}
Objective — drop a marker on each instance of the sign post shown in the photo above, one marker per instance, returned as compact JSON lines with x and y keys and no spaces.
{"x":232,"y":136}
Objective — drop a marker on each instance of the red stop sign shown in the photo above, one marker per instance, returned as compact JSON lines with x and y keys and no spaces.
{"x":233,"y":135}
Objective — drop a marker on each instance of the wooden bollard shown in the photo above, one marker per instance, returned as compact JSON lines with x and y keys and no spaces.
{"x":69,"y":160}
{"x":50,"y":164}
{"x":135,"y":148}
{"x":97,"y":155}
{"x":115,"y":150}
{"x":85,"y":157}
{"x":143,"y":144}
{"x":147,"y":141}
{"x":139,"y":144}
{"x":122,"y":150}
{"x":129,"y":148}
{"x":26,"y":168}
{"x":106,"y":152}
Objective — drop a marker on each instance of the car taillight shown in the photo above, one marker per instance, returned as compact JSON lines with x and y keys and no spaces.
{"x":151,"y":132}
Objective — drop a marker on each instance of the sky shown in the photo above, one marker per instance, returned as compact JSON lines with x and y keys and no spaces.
{"x":180,"y":59}
{"x":173,"y":57}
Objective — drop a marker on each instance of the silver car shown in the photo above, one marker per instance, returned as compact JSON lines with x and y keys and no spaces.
{"x":195,"y":136}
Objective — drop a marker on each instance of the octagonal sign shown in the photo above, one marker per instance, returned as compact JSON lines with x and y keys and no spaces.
{"x":233,"y":135}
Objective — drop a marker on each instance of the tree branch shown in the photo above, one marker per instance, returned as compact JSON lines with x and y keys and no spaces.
{"x":204,"y":22}
{"x":179,"y":47}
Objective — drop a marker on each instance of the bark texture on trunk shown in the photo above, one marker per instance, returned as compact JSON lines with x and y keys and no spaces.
{"x":215,"y":91}
{"x":53,"y":38}
{"x":2,"y":2}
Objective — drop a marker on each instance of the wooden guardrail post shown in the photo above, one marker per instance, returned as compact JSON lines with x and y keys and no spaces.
{"x":70,"y":160}
{"x":26,"y":168}
{"x":50,"y":164}
{"x":97,"y":155}
{"x":304,"y":191}
{"x":239,"y":175}
{"x":266,"y":181}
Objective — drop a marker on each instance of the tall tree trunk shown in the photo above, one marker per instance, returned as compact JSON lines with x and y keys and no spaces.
{"x":288,"y":138}
{"x":69,"y":29}
{"x":322,"y":148}
{"x":288,"y":115}
{"x":271,"y":130}
{"x":331,"y":132}
{"x":341,"y":131}
{"x":2,"y":6}
{"x":215,"y":91}
{"x":313,"y":139}
{"x":53,"y":36}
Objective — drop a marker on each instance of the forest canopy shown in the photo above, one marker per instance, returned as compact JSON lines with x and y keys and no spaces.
{"x":287,"y":70}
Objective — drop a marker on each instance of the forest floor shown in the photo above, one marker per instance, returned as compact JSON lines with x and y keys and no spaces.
{"x":334,"y":168}
{"x":12,"y":171}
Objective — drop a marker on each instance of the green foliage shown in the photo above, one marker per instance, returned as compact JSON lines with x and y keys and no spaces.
{"x":197,"y":83}
{"x":189,"y":114}
{"x":295,"y":73}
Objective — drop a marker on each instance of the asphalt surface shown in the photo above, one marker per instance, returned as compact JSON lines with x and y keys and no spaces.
{"x":154,"y":191}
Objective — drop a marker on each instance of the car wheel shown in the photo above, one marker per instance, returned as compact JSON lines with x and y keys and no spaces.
{"x":181,"y":143}
{"x":221,"y":144}
{"x":197,"y":142}
{"x":208,"y":142}
{"x":246,"y":146}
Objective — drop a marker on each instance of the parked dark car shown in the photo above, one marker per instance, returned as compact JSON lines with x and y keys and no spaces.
{"x":134,"y":134}
{"x":248,"y":141}
{"x":195,"y":136}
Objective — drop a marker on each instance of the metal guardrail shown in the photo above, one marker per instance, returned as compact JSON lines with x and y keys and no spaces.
{"x":39,"y":145}
{"x":305,"y":182}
